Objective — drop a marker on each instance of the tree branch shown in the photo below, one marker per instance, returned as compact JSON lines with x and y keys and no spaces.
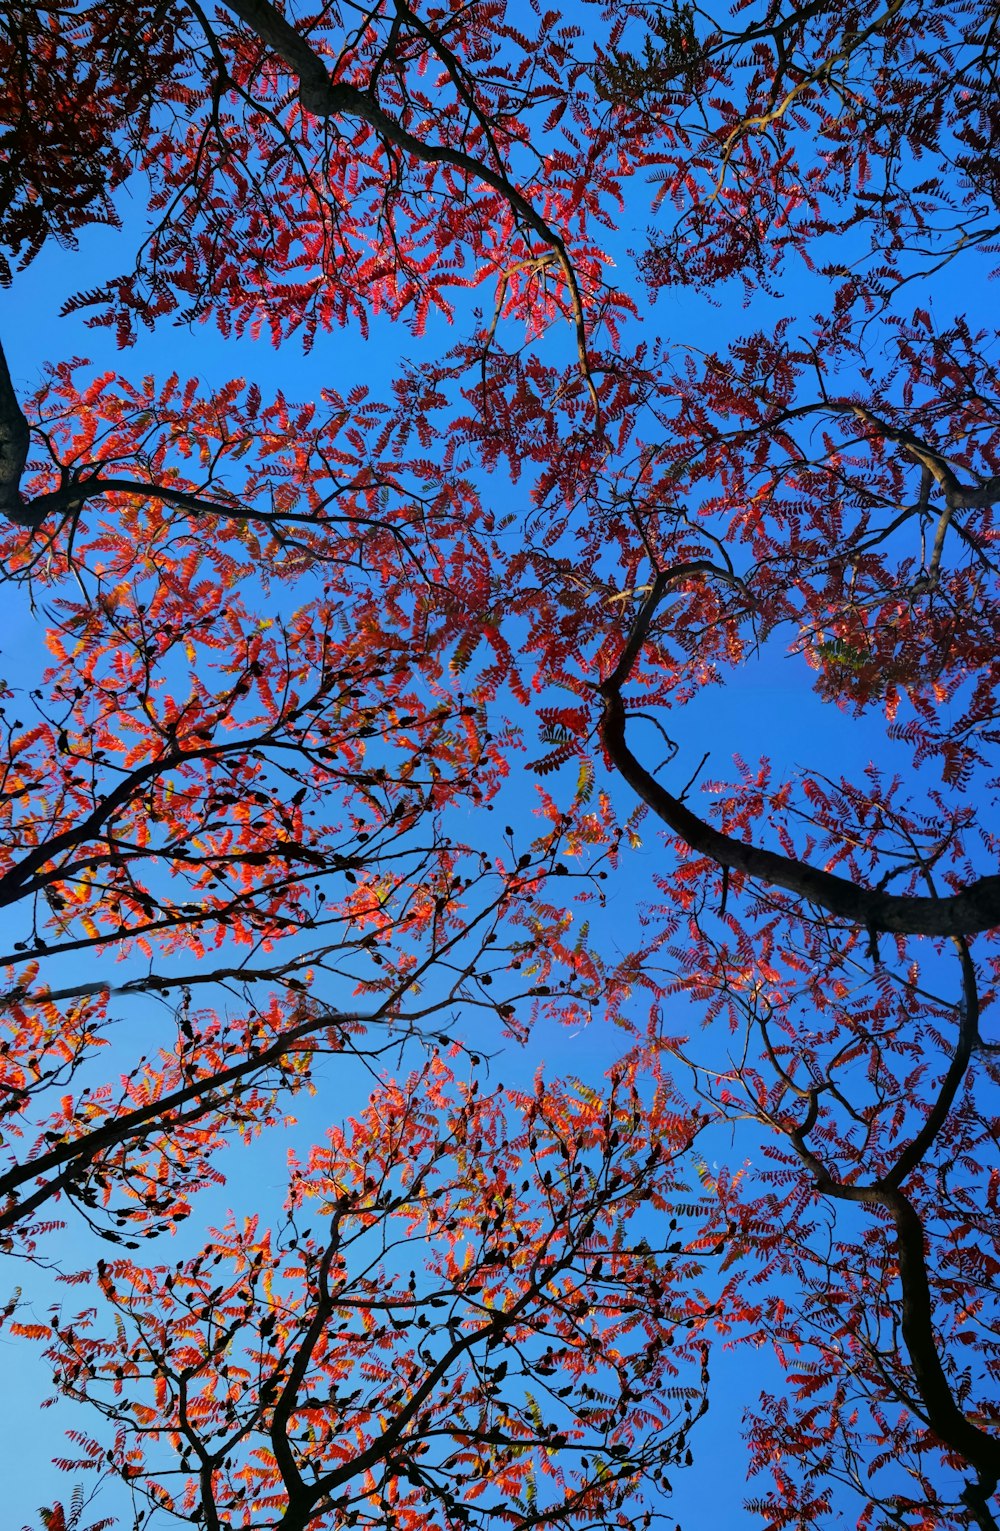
{"x":15,"y":436}
{"x":974,"y":908}
{"x":322,"y":97}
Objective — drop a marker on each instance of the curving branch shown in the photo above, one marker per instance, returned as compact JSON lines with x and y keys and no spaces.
{"x":15,"y":436}
{"x":972,"y":909}
{"x":322,"y":97}
{"x":955,"y":1430}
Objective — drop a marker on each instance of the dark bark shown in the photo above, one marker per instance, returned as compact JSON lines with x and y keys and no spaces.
{"x":972,"y":909}
{"x":15,"y":437}
{"x":70,"y":1159}
{"x":322,"y":97}
{"x":953,"y":1429}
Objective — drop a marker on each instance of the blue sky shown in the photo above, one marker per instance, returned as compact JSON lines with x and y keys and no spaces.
{"x":766,"y":707}
{"x":32,"y":334}
{"x":772,"y":711}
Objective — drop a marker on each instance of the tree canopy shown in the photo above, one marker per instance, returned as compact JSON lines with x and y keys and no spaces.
{"x":368,"y":745}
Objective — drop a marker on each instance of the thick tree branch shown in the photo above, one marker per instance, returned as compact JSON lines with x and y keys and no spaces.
{"x":958,"y":495}
{"x":15,"y":436}
{"x":68,"y":1157}
{"x":19,"y":881}
{"x":972,"y":909}
{"x":957,"y":1432}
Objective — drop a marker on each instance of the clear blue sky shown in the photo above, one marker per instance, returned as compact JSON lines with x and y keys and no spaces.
{"x":771,"y":711}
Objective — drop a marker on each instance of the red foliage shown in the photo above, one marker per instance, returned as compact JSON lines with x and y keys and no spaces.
{"x":298,"y":650}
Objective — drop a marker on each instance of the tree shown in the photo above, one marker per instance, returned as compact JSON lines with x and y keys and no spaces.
{"x":189,"y":788}
{"x":822,"y":485}
{"x":528,"y":1372}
